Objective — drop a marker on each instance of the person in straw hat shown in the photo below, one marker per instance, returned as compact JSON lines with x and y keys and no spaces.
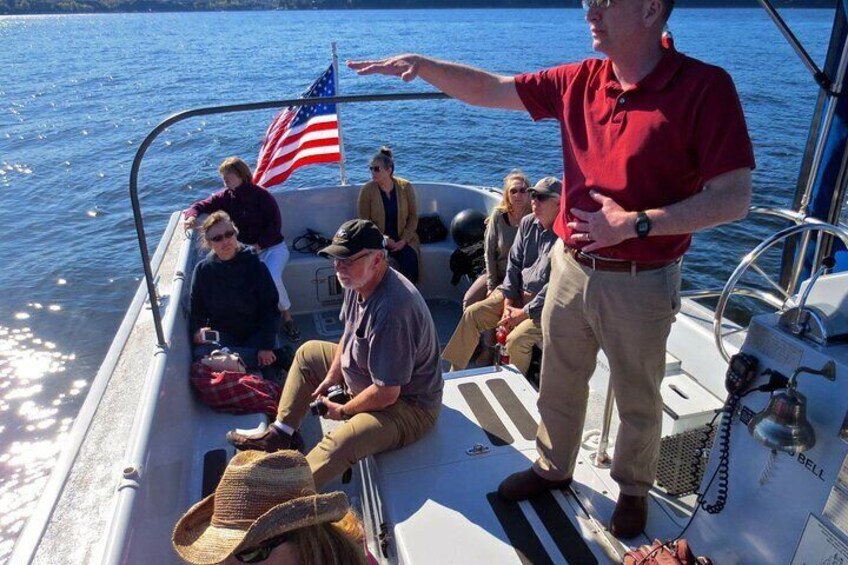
{"x":265,"y":509}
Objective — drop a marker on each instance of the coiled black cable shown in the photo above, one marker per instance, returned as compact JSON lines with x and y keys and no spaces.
{"x":722,"y":470}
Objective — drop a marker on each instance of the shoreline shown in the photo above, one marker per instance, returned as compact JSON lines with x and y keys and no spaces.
{"x":91,"y":7}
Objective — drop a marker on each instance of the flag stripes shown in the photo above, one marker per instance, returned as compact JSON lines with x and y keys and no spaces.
{"x":301,"y":136}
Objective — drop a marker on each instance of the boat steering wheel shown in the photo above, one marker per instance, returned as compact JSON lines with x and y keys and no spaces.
{"x":749,"y":261}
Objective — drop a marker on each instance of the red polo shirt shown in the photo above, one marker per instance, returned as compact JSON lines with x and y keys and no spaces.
{"x":650,"y":146}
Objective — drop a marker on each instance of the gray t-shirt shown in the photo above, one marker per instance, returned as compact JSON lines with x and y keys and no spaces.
{"x":390,"y":340}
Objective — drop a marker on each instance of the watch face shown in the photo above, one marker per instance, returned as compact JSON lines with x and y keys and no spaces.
{"x":643,"y":225}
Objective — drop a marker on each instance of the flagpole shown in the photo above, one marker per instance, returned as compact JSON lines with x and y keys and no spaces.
{"x":342,"y":172}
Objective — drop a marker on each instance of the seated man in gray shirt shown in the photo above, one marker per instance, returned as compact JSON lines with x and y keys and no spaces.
{"x":517,"y":303}
{"x":388,"y":360}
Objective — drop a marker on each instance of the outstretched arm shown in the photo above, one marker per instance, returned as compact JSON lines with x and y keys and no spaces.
{"x":469,"y":84}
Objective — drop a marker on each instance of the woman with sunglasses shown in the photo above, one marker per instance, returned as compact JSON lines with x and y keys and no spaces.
{"x":501,"y":227}
{"x":255,"y":211}
{"x":389,"y":202}
{"x":233,"y":294}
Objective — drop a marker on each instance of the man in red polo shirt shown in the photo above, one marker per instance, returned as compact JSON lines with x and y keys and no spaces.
{"x":655,"y":147}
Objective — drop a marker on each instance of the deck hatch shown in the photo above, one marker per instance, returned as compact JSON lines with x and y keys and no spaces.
{"x":569,"y":541}
{"x":485,"y":414}
{"x":519,"y":415}
{"x":519,"y":531}
{"x":214,"y":463}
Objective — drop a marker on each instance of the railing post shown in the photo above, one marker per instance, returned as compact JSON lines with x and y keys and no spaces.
{"x":601,"y":457}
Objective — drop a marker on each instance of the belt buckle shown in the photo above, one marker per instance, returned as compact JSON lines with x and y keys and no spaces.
{"x":589,"y":257}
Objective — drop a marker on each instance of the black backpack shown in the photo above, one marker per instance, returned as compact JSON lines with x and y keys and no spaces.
{"x":468,"y":260}
{"x":431,"y":229}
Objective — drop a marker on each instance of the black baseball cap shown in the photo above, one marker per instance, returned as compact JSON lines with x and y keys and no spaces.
{"x":548,"y":186}
{"x":354,"y":236}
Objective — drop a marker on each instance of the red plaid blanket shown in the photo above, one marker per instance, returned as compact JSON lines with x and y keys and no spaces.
{"x":236,"y":393}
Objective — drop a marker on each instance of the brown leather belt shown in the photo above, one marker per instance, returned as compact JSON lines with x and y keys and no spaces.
{"x":598,"y":263}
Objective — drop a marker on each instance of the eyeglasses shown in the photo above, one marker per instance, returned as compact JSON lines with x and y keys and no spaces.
{"x":262,"y":552}
{"x":375,"y":168}
{"x":222,"y":236}
{"x":518,"y":190}
{"x":601,"y":4}
{"x":347,"y":262}
{"x":540,"y":197}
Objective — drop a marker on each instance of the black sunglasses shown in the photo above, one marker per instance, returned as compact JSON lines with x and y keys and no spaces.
{"x":540,"y":197}
{"x":518,"y":190}
{"x":261,"y":553}
{"x":375,"y":168}
{"x":222,"y":236}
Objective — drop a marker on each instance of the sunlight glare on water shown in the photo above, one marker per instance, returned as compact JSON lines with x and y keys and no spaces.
{"x":28,"y":366}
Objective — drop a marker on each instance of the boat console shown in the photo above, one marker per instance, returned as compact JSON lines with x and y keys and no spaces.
{"x":787,"y":484}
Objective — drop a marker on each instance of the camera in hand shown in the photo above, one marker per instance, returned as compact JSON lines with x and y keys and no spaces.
{"x":335,"y":393}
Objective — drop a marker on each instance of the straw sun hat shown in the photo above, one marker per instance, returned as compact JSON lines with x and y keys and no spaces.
{"x":260,"y":496}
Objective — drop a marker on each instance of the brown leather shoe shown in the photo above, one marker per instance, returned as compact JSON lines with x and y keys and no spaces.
{"x":629,"y":517}
{"x":270,"y":440}
{"x":527,"y":484}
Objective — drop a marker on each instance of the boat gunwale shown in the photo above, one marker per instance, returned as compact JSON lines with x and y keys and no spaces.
{"x":32,"y":534}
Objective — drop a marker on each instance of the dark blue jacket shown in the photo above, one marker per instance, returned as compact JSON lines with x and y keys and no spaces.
{"x":236,"y":297}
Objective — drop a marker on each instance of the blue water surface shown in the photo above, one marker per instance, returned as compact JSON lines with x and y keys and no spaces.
{"x":79,"y":93}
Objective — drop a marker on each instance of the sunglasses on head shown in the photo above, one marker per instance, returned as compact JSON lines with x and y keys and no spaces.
{"x":518,"y":190}
{"x":261,"y":553}
{"x":222,"y":236}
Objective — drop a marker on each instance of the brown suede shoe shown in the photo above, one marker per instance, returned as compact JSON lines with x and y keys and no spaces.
{"x":270,"y":440}
{"x":629,"y":517}
{"x":527,"y":484}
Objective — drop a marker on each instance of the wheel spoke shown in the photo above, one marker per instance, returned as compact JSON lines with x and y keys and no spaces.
{"x":770,"y":281}
{"x":734,"y":331}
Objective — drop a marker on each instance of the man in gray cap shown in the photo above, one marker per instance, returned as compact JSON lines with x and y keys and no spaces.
{"x":517,"y":304}
{"x":387,"y":360}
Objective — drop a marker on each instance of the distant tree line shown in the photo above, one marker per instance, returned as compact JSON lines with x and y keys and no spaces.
{"x":94,"y":6}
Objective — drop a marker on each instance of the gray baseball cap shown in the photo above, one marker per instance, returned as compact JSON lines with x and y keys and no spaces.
{"x":548,"y":186}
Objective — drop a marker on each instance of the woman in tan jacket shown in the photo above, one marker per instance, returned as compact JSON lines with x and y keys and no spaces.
{"x":389,"y":202}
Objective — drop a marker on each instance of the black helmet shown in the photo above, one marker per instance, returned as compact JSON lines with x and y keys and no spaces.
{"x":468,"y":227}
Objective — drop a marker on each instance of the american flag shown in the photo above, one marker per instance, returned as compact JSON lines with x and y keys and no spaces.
{"x":300,"y":136}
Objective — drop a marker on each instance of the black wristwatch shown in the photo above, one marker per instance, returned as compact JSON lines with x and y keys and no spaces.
{"x":643,"y":225}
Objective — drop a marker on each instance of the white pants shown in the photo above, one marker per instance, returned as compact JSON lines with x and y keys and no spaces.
{"x":276,"y":258}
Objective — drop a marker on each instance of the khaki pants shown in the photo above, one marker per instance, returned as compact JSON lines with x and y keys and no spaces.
{"x":476,"y":292}
{"x":629,"y":317}
{"x":482,"y":316}
{"x":364,"y":434}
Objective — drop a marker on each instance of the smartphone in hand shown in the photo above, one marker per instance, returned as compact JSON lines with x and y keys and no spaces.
{"x":210,"y":336}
